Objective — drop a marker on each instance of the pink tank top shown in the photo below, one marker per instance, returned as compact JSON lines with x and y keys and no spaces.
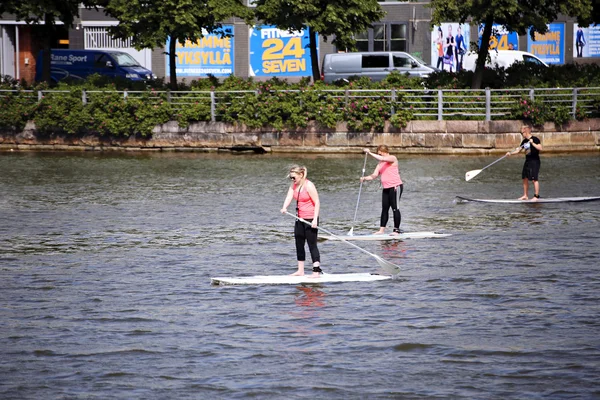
{"x":306,"y":205}
{"x":390,"y":176}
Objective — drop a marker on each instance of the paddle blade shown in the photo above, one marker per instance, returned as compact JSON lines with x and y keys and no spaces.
{"x":472,"y":174}
{"x":388,"y":266}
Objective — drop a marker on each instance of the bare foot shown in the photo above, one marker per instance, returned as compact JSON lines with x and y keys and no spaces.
{"x":298,"y":273}
{"x":315,"y":275}
{"x":534,"y":199}
{"x":379,"y":232}
{"x":394,"y":233}
{"x":523,"y":198}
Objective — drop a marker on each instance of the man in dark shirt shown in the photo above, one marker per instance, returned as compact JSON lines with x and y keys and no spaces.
{"x":532,"y":146}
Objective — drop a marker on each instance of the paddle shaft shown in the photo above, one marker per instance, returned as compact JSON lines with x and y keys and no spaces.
{"x":359,"y":190}
{"x":476,"y":172}
{"x":500,"y":159}
{"x":385,"y":264}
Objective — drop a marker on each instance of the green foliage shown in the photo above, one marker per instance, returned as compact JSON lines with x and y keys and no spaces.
{"x":402,"y":117}
{"x":16,"y":108}
{"x":561,"y":115}
{"x":197,"y":111}
{"x":367,"y":114}
{"x":113,"y":114}
{"x":278,"y":104}
{"x":62,"y":112}
{"x":533,"y":111}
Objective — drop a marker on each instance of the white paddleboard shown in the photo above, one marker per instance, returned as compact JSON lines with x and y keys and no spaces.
{"x":387,"y":236}
{"x":298,"y":280}
{"x":540,"y":200}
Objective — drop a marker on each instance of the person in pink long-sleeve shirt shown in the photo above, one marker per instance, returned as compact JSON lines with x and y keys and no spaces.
{"x":387,"y":169}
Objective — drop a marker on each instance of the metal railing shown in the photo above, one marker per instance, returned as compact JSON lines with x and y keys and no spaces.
{"x":438,"y":104}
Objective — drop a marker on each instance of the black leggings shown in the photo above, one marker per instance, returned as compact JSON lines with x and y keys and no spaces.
{"x":389,"y":198}
{"x":303,"y":233}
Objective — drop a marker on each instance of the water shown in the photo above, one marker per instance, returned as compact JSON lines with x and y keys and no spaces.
{"x":106,"y":259}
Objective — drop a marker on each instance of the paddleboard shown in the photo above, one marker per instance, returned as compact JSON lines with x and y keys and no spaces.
{"x":298,"y":280}
{"x":540,"y":200}
{"x":402,"y":236}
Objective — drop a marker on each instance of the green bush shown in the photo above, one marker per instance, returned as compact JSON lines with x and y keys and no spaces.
{"x":62,"y":112}
{"x":279,"y":104}
{"x":16,"y":108}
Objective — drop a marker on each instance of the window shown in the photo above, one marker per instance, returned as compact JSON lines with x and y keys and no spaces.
{"x":362,"y":41}
{"x":100,"y":60}
{"x":398,"y":37}
{"x":382,"y":61}
{"x":532,"y":60}
{"x":383,"y":37}
{"x":402,"y":62}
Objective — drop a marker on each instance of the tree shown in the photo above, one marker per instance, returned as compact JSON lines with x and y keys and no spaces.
{"x":151,"y":23}
{"x":516,"y":15}
{"x":341,"y":19}
{"x":48,"y":12}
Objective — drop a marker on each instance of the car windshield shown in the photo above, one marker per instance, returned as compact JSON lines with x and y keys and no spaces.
{"x":125,"y":60}
{"x":418,"y":60}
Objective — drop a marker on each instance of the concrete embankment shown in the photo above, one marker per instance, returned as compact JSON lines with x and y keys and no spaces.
{"x":419,"y":137}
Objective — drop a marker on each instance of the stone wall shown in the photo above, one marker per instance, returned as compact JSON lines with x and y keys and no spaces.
{"x":441,"y":137}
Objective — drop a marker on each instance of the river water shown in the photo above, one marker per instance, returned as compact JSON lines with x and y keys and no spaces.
{"x":106,"y":259}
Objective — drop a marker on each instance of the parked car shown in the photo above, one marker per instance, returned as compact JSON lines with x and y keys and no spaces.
{"x":501,"y":58}
{"x":375,"y":65}
{"x":79,"y":64}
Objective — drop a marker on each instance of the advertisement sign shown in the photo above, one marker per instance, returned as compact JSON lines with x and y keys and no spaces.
{"x":586,"y":41}
{"x":549,"y":46}
{"x":212,"y":54}
{"x":450,"y":44}
{"x":275,"y":52}
{"x":501,"y":38}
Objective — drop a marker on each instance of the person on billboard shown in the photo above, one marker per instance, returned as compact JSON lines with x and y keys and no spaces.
{"x":439,"y":45}
{"x":461,"y":48}
{"x":579,"y":42}
{"x":450,"y":45}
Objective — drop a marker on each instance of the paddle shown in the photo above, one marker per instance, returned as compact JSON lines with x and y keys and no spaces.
{"x":386,"y":265}
{"x":351,"y":232}
{"x":472,"y":174}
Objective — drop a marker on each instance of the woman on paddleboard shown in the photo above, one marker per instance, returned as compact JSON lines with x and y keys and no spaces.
{"x":307,"y":207}
{"x":392,"y":186}
{"x":531,"y":169}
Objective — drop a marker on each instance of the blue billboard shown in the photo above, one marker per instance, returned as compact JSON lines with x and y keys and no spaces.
{"x":275,"y":52}
{"x":212,"y":54}
{"x":550,"y":46}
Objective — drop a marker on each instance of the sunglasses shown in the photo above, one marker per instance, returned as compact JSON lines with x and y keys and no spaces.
{"x":293,"y":178}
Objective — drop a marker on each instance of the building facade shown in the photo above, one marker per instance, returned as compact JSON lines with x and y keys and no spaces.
{"x":262,"y":51}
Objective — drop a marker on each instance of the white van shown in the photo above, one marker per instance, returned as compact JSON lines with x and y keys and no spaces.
{"x":501,"y":58}
{"x":375,"y":65}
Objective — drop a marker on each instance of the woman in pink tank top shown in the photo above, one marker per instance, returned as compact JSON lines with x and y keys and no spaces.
{"x":307,"y":207}
{"x":392,"y":184}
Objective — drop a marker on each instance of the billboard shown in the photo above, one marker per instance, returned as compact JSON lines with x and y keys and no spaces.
{"x":275,"y":52}
{"x":586,"y":41}
{"x":212,"y":54}
{"x":450,"y":44}
{"x":550,"y":46}
{"x":501,"y":38}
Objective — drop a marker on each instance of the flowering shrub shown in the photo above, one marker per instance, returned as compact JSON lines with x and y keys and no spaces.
{"x":533,"y":111}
